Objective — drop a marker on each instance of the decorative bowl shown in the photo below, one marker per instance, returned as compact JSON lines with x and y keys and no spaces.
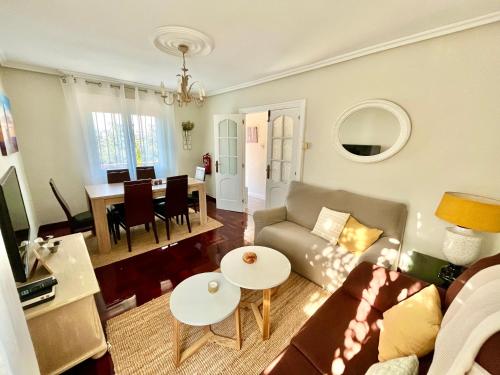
{"x":249,"y":257}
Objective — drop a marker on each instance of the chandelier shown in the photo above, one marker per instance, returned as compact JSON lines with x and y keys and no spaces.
{"x":183,"y":95}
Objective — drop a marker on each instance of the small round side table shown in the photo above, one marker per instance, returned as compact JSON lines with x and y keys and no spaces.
{"x":191,"y":303}
{"x":270,"y":270}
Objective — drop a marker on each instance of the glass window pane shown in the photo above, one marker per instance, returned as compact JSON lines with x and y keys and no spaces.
{"x":223,"y":128}
{"x":233,"y":169}
{"x":233,"y":129}
{"x":276,"y":171}
{"x":287,"y":149}
{"x":278,"y":127}
{"x":233,"y":147}
{"x":276,"y":152}
{"x":288,"y":127}
{"x":285,"y":171}
{"x":223,"y":164}
{"x":223,"y":147}
{"x":110,"y":137}
{"x":146,"y":139}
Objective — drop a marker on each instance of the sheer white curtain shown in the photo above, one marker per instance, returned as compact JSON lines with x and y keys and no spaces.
{"x":119,"y":128}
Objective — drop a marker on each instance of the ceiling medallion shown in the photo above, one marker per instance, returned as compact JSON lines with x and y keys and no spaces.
{"x":182,"y":41}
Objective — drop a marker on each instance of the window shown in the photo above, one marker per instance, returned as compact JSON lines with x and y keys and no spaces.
{"x":117,"y":143}
{"x":111,"y":140}
{"x":146,"y":140}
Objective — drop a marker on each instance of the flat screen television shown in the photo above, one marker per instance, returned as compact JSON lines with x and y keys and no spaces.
{"x":363,"y":150}
{"x":14,"y":224}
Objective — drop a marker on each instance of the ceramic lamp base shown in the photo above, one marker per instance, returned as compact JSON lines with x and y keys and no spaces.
{"x":461,"y":245}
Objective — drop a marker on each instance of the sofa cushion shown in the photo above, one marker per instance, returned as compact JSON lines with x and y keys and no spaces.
{"x":330,"y":225}
{"x":290,"y":362}
{"x":342,"y":336}
{"x":357,"y":237}
{"x":411,"y":326}
{"x":310,"y":256}
{"x":380,"y":287}
{"x":304,"y":202}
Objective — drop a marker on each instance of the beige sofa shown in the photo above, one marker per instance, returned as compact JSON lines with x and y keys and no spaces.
{"x":288,"y":229}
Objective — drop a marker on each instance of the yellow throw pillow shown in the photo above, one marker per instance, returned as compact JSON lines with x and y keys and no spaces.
{"x":411,"y":326}
{"x":357,"y":237}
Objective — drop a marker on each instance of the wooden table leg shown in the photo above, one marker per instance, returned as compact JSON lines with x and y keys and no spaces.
{"x":101,"y":225}
{"x":266,"y":314}
{"x":202,"y":201}
{"x":176,"y":343}
{"x":237,"y":322}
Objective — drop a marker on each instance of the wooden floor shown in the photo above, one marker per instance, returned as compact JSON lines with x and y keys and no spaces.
{"x":142,"y":275}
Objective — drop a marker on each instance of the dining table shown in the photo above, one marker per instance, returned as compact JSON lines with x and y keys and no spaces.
{"x":103,"y":195}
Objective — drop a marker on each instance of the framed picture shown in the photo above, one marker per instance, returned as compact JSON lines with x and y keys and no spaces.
{"x":252,"y":134}
{"x":8,"y":140}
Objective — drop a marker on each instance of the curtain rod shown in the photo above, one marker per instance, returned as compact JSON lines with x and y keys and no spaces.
{"x":111,"y":84}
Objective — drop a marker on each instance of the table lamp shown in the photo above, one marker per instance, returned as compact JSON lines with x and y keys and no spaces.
{"x":469,"y":213}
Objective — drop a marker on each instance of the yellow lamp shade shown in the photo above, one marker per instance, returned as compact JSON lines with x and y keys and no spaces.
{"x":470,"y":211}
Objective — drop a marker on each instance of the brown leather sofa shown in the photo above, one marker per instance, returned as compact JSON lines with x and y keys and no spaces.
{"x":342,"y":336}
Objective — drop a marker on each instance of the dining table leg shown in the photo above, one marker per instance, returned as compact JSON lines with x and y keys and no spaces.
{"x":202,"y":197}
{"x":101,"y":225}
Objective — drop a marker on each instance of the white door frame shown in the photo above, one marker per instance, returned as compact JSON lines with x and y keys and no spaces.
{"x":301,"y":105}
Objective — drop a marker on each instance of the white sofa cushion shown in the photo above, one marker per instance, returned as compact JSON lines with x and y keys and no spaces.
{"x":330,"y":224}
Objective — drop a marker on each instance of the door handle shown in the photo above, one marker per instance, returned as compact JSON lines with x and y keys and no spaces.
{"x":216,"y":166}
{"x":268,"y":171}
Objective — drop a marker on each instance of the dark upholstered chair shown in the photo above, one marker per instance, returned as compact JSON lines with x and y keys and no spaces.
{"x":82,"y":222}
{"x":193,"y":198}
{"x":116,"y":176}
{"x":138,"y":208}
{"x":143,"y":173}
{"x":175,"y":202}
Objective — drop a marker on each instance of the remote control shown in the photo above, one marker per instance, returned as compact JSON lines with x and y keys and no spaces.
{"x":27,"y":290}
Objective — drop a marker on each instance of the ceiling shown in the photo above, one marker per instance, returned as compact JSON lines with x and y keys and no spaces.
{"x":253,"y":39}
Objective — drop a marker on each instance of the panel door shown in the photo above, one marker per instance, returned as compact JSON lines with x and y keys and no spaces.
{"x":229,"y":133}
{"x":282,"y":154}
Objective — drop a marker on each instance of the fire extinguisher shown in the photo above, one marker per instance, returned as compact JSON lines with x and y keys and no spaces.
{"x":207,"y":163}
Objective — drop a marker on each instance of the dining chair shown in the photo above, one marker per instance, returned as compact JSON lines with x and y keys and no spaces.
{"x":82,"y":222}
{"x":138,"y":208}
{"x":145,"y":172}
{"x":116,"y":176}
{"x":193,"y":198}
{"x":175,"y":202}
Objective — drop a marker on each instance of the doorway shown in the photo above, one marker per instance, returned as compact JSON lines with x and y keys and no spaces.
{"x":275,"y":135}
{"x":256,"y":160}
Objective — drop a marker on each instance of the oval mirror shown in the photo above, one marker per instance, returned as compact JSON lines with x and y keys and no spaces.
{"x":372,"y":131}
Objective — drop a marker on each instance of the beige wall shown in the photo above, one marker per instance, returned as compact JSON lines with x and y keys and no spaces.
{"x":17,"y":161}
{"x":49,"y":148}
{"x":450,"y":88}
{"x":52,"y":149}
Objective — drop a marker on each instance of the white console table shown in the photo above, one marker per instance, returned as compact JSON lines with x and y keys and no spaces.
{"x":67,"y":330}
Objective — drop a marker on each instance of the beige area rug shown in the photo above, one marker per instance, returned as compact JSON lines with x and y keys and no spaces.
{"x":141,"y":339}
{"x":143,"y":241}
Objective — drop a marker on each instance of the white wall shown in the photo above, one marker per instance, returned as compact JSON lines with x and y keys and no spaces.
{"x":41,"y":120}
{"x":52,"y":150}
{"x":449,"y":86}
{"x":256,"y":156}
{"x":17,"y":355}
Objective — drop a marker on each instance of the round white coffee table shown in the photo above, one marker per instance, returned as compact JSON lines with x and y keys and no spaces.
{"x":191,"y":303}
{"x":270,"y":270}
